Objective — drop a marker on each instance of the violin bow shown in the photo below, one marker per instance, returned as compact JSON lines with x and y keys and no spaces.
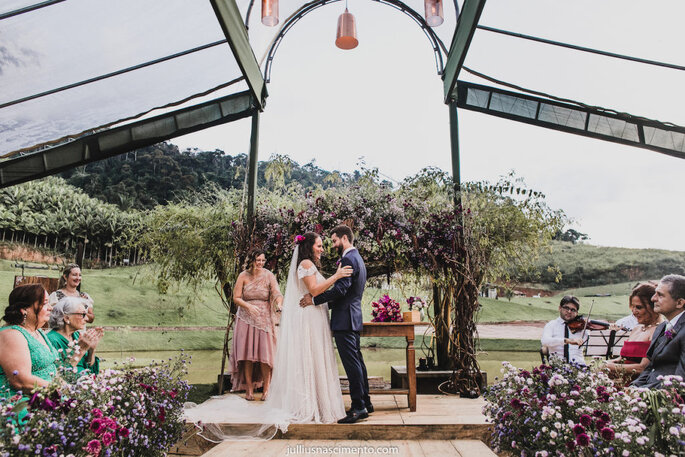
{"x":587,"y":321}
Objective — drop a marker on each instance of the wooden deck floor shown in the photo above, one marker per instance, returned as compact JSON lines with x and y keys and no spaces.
{"x":438,"y":418}
{"x":399,"y":448}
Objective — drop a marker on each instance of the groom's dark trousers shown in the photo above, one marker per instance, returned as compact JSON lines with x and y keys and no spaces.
{"x":345,"y":302}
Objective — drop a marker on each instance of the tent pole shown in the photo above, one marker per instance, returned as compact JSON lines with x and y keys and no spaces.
{"x":252,"y":169}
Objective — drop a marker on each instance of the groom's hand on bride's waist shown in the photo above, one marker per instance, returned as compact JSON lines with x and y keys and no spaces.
{"x":306,"y":300}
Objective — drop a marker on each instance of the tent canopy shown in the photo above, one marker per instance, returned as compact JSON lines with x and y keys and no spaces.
{"x":54,"y":48}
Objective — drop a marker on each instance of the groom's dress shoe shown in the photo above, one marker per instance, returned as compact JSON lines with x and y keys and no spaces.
{"x":369,"y":409}
{"x":354,"y":416}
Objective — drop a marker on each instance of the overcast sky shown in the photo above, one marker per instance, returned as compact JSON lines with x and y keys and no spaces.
{"x":383,"y":101}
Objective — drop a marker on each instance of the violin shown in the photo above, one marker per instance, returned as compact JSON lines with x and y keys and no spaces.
{"x":580,"y":323}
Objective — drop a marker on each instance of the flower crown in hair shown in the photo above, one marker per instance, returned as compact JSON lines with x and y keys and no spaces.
{"x":299,"y":239}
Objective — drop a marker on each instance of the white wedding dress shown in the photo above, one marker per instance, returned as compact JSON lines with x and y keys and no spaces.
{"x":305,"y":385}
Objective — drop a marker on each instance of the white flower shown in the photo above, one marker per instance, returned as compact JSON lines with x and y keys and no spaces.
{"x":553,"y":434}
{"x":674,"y":431}
{"x":641,"y":440}
{"x":626,"y":453}
{"x":571,"y":402}
{"x":557,"y":425}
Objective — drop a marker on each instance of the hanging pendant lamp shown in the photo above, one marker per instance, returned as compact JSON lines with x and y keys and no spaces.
{"x":434,"y":16}
{"x":270,"y":12}
{"x":346,"y":38}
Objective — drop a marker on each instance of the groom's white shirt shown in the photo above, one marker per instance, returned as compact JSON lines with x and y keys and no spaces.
{"x":346,"y":251}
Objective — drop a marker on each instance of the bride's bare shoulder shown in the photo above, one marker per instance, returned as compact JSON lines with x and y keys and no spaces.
{"x":306,"y":264}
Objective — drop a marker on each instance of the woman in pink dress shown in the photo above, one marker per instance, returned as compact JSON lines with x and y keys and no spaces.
{"x":633,"y":358}
{"x":257,"y":295}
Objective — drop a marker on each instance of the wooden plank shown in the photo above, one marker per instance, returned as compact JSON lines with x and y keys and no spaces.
{"x":467,"y":448}
{"x":439,"y":447}
{"x":362,"y":448}
{"x":411,"y":449}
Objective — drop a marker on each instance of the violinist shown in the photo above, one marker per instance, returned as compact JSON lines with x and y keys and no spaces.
{"x":559,"y":338}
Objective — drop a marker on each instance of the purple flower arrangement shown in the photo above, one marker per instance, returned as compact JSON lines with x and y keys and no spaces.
{"x":568,"y":410}
{"x":416,"y":303}
{"x":123,"y":412}
{"x":386,"y":310}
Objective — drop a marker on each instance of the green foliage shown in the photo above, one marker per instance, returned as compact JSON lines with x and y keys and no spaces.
{"x":195,"y":240}
{"x":583,"y":265}
{"x":158,"y":174}
{"x":51,"y":214}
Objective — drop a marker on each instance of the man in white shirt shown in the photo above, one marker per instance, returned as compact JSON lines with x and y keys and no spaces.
{"x":628,"y":322}
{"x":666,"y":354}
{"x":558,"y":338}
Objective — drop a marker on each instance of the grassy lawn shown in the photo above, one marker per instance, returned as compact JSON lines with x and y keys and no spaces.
{"x":547,"y":308}
{"x":127,"y":297}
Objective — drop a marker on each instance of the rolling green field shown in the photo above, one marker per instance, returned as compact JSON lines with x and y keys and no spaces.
{"x":126,"y":297}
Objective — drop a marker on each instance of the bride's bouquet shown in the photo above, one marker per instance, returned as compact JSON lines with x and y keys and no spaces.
{"x":386,"y":310}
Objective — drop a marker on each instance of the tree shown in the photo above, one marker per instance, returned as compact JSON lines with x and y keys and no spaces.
{"x":411,"y":229}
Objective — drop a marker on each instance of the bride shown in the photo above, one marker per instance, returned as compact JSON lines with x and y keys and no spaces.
{"x":305,"y":386}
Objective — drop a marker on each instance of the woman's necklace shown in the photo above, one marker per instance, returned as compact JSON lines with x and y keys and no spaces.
{"x":71,"y":293}
{"x":648,"y":326}
{"x":33,"y":333}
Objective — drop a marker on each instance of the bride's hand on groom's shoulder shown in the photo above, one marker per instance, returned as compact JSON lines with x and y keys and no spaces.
{"x":306,"y":300}
{"x":343,"y":272}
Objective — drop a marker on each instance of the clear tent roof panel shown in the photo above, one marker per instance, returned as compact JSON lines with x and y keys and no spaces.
{"x":80,"y":39}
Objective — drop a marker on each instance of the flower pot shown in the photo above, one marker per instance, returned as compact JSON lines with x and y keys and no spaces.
{"x":422,"y":314}
{"x":411,"y":316}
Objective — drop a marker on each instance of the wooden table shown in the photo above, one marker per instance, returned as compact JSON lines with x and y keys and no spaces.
{"x":395,"y":329}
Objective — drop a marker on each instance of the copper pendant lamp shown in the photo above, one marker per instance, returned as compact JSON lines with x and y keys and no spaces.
{"x":434,"y":15}
{"x":346,"y":38}
{"x":270,"y":12}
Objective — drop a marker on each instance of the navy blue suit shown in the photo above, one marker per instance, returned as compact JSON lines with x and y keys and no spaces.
{"x":345,"y":302}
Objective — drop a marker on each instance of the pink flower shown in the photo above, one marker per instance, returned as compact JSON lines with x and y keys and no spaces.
{"x":107,"y":438}
{"x":607,"y":433}
{"x":582,"y":439}
{"x":123,"y":432}
{"x":98,"y":426}
{"x":93,"y":448}
{"x":96,"y":412}
{"x":299,"y":239}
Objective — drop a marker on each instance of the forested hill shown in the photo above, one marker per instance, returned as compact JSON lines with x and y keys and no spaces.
{"x":585,"y":265}
{"x":158,"y":174}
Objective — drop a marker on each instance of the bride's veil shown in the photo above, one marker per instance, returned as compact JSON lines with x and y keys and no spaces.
{"x":243,"y":420}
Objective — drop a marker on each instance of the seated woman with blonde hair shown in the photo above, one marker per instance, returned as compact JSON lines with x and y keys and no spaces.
{"x":633,"y":359}
{"x":68,"y":320}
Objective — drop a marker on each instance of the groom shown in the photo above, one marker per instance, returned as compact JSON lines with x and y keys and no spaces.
{"x":345,"y":301}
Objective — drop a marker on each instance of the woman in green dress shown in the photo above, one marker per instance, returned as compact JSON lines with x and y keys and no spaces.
{"x":27,"y":358}
{"x":68,"y":321}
